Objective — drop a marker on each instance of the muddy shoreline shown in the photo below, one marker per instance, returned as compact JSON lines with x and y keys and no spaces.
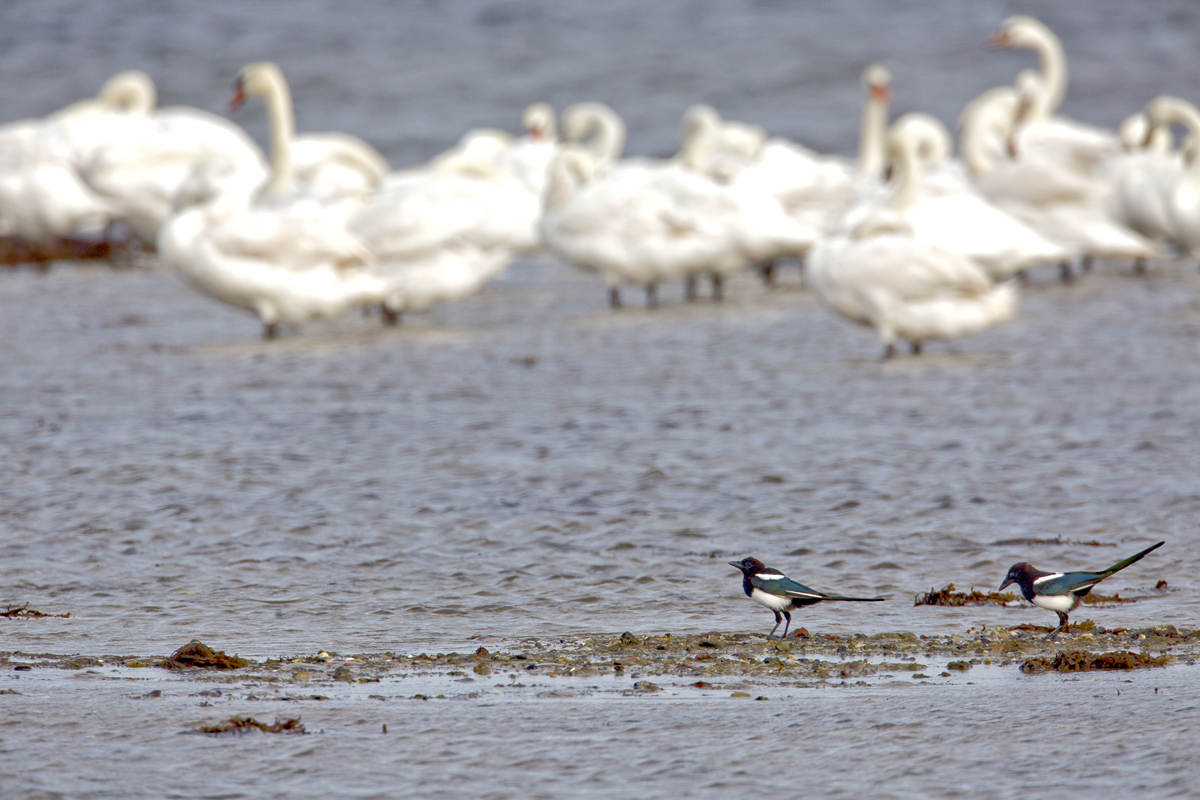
{"x":704,"y":660}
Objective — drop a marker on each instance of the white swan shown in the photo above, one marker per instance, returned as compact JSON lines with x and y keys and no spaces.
{"x":1179,"y":190}
{"x":288,"y":266}
{"x":815,"y":190}
{"x":43,"y":197}
{"x":438,"y":233}
{"x":420,"y":211}
{"x":597,"y":130}
{"x":327,"y":165}
{"x":1067,"y":205}
{"x":717,"y":147}
{"x":436,"y":237}
{"x":489,"y":152}
{"x":880,"y":275}
{"x":275,"y":245}
{"x":944,"y":208}
{"x":128,"y":92}
{"x":1147,"y":165}
{"x":144,"y":172}
{"x":1028,"y":33}
{"x":640,"y":223}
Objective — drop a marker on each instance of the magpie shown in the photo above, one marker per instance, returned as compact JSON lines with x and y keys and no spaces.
{"x":778,"y":592}
{"x":1062,"y":592}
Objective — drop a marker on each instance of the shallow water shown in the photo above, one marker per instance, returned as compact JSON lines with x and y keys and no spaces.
{"x":527,"y":463}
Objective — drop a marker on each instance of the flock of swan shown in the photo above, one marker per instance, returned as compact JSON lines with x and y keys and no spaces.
{"x":906,"y":238}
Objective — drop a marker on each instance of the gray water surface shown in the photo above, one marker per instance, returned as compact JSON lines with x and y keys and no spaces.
{"x":528,"y":463}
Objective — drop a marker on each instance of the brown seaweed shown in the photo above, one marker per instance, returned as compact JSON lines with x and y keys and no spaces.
{"x":25,"y":612}
{"x":949,"y":596}
{"x":14,"y":251}
{"x":244,"y":724}
{"x":1083,"y":661}
{"x":197,"y":654}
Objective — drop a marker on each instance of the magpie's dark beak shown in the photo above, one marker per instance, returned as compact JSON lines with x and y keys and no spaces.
{"x":737,"y":564}
{"x":1007,"y":581}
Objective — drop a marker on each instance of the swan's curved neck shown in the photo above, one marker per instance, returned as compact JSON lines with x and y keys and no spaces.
{"x":985,"y":123}
{"x":282,"y":119}
{"x":601,"y":129}
{"x":1054,"y":70}
{"x":906,"y":168}
{"x":873,"y":132}
{"x":1174,"y":111}
{"x":571,"y":168}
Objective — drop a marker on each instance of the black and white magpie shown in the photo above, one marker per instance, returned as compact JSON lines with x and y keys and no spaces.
{"x":778,"y":592}
{"x":1062,"y":592}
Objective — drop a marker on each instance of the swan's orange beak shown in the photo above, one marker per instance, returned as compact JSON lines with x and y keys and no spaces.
{"x":1000,"y":40}
{"x":881,"y":95}
{"x":238,"y":98}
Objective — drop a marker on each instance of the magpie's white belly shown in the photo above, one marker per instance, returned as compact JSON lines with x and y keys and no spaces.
{"x":771,"y":601}
{"x":1063,"y":603}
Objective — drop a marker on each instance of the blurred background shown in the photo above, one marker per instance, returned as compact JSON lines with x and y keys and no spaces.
{"x":525,"y":461}
{"x":411,"y":77}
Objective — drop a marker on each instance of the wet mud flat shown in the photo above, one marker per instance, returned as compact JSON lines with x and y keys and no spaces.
{"x":704,"y":661}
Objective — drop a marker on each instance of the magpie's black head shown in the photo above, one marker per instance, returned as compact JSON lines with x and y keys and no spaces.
{"x":1021,"y":574}
{"x":748,"y":565}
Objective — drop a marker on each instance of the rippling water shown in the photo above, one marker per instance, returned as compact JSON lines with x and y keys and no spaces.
{"x":529,"y":463}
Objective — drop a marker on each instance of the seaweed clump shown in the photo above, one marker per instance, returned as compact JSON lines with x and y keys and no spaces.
{"x":1083,"y":661}
{"x":25,"y":612}
{"x":197,"y":654}
{"x":244,"y":724}
{"x":948,"y":596}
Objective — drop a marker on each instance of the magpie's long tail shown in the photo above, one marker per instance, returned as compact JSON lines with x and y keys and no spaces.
{"x":856,"y":599}
{"x":1120,"y":565}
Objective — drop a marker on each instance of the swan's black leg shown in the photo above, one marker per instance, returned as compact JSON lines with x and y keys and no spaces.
{"x":768,"y":273}
{"x":1085,"y":263}
{"x":689,"y":288}
{"x":889,"y":351}
{"x":916,"y":348}
{"x":389,"y":317}
{"x":270,"y":330}
{"x":1139,"y":266}
{"x":1064,"y":272}
{"x":718,"y":287}
{"x":614,"y":297}
{"x":652,"y":295}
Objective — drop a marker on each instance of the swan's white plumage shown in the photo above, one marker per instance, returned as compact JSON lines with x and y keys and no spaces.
{"x":876,"y":272}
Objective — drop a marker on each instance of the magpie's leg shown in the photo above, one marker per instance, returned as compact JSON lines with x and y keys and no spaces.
{"x":1062,"y":626}
{"x":787,"y":614}
{"x":614,"y":297}
{"x":689,"y":288}
{"x":778,"y":619}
